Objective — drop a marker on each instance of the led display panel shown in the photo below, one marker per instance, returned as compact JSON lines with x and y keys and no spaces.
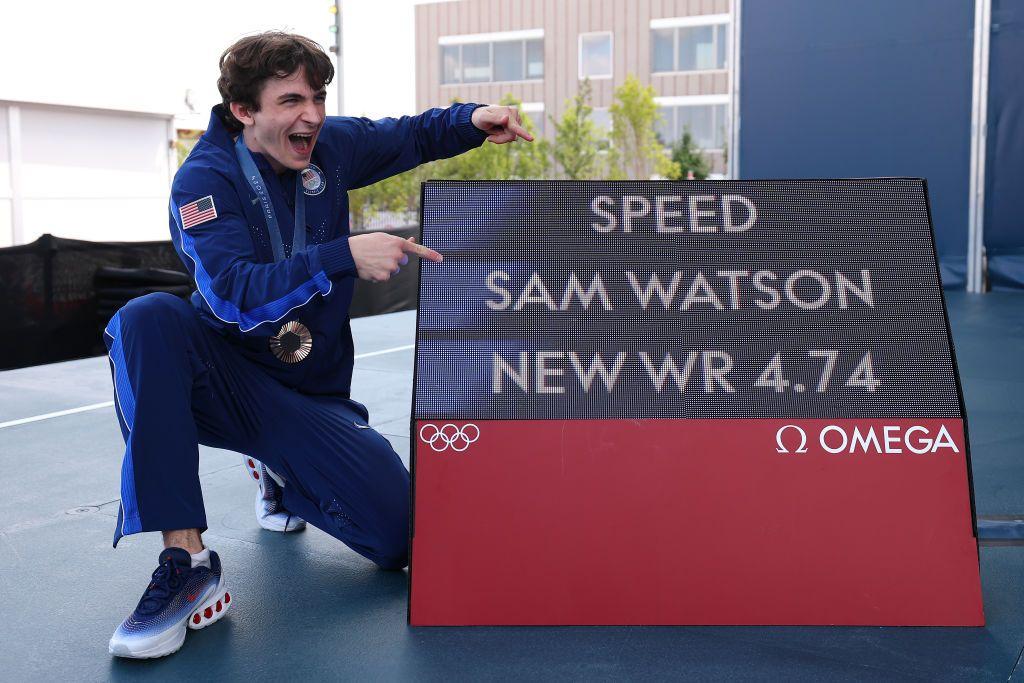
{"x":701,"y":402}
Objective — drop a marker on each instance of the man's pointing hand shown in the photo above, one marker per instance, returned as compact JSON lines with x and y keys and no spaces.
{"x":379,"y":255}
{"x":502,"y":124}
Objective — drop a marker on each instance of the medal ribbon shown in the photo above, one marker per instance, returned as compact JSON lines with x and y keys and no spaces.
{"x":259,"y":186}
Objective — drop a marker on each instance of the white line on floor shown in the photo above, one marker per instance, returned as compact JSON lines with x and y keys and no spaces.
{"x":108,"y":404}
{"x":59,"y":413}
{"x":381,"y":353}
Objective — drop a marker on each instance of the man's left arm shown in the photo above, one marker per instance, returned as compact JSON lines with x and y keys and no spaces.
{"x":383,"y":148}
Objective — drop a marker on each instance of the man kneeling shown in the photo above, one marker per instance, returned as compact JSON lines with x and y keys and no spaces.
{"x":260,"y":362}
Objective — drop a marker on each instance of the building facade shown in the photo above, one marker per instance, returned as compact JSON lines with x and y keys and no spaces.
{"x":539,"y":51}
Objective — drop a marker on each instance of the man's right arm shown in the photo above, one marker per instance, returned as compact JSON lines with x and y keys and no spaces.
{"x":213,"y":238}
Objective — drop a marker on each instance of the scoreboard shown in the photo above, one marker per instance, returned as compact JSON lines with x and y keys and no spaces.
{"x":702,"y":402}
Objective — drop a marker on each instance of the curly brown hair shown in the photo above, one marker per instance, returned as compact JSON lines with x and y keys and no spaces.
{"x":247,"y":65}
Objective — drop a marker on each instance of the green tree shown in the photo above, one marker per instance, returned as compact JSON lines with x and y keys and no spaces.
{"x":397,"y":193}
{"x":512,"y":161}
{"x":575,"y":149}
{"x":636,"y":152}
{"x":688,"y":157}
{"x":185,"y":142}
{"x":515,"y":160}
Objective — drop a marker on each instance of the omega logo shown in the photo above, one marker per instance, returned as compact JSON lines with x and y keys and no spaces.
{"x":886,"y":439}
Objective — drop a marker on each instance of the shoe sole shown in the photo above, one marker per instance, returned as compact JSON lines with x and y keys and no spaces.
{"x":250,"y":466}
{"x":171,"y":640}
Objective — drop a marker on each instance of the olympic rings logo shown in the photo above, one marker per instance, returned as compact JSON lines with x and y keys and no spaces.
{"x":449,"y":436}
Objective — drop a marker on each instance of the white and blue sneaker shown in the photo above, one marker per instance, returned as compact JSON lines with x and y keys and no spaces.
{"x":270,"y":511}
{"x":178,"y":598}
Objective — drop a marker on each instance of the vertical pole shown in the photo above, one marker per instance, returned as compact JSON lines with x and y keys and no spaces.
{"x":14,"y":158}
{"x":979,"y":133}
{"x":733,"y":170}
{"x":339,"y":43}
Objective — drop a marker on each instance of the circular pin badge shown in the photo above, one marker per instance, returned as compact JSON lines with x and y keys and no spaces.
{"x":313,"y":180}
{"x":292,"y":343}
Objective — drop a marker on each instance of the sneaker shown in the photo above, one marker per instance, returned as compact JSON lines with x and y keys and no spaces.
{"x":179,"y":597}
{"x":270,"y":511}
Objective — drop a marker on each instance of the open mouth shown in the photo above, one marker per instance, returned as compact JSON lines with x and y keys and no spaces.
{"x":302,"y":143}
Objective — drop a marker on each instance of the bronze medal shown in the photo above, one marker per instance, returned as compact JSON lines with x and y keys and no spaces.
{"x":292,"y":343}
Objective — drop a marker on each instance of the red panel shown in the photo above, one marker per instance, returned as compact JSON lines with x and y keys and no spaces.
{"x":692,"y":522}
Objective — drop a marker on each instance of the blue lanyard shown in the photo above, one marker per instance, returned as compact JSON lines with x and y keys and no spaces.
{"x":259,"y":186}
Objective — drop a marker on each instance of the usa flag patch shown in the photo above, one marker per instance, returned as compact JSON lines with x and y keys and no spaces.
{"x":199,"y":211}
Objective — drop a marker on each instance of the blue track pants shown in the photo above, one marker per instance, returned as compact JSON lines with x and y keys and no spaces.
{"x":178,"y":384}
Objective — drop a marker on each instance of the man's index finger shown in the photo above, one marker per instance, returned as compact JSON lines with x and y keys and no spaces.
{"x":420,"y":250}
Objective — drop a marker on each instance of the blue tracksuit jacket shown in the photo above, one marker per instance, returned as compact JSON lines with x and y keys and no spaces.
{"x":241,"y":291}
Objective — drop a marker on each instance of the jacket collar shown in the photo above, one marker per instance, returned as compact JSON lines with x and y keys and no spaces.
{"x":217,"y":131}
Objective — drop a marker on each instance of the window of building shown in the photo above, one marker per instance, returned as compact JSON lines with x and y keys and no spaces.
{"x":595,"y":56}
{"x":492,"y":57}
{"x":697,"y":43}
{"x":508,"y":61}
{"x":451,"y":68}
{"x":476,"y":63}
{"x":706,"y":117}
{"x":535,"y":59}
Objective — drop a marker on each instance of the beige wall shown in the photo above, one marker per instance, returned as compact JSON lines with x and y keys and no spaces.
{"x":563,"y":21}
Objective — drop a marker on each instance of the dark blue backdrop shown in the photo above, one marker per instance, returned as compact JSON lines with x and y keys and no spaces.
{"x":832,"y":88}
{"x":1004,"y":171}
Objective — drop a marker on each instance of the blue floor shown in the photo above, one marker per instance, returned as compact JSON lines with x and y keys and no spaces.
{"x":307,"y":606}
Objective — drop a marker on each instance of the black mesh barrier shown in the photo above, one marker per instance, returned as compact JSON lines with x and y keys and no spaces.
{"x":703,"y":299}
{"x":397,"y":294}
{"x":48,"y":300}
{"x":57,"y":294}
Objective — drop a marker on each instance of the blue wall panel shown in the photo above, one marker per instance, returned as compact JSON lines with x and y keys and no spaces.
{"x":832,"y":88}
{"x":1004,"y":172}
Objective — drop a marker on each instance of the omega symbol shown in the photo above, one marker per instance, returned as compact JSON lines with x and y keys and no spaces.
{"x":802,"y":448}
